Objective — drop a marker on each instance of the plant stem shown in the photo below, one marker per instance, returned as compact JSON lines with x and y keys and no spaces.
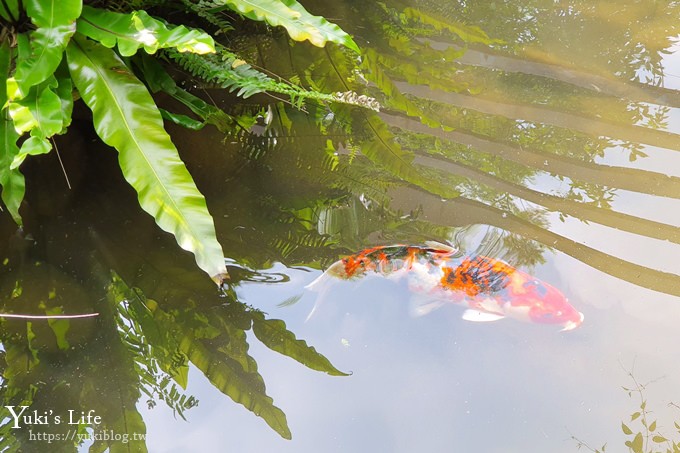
{"x":9,"y":11}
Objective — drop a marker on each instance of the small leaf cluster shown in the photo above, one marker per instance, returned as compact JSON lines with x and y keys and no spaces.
{"x":646,"y":438}
{"x":643,"y":433}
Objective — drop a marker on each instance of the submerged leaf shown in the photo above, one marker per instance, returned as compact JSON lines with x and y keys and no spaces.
{"x":182,"y":120}
{"x":126,"y":118}
{"x":636,"y":444}
{"x":60,"y":327}
{"x":274,"y":334}
{"x":467,"y":33}
{"x":626,"y":429}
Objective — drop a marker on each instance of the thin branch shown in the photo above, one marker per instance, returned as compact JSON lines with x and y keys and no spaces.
{"x":68,"y":183}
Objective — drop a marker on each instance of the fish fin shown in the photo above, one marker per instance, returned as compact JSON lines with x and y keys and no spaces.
{"x":311,"y":313}
{"x":320,"y":298}
{"x":421,"y":305}
{"x":319,"y":283}
{"x":441,"y":246}
{"x":480,"y":316}
{"x":322,"y":294}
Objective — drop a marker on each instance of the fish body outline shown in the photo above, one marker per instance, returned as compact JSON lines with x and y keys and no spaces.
{"x":436,"y":274}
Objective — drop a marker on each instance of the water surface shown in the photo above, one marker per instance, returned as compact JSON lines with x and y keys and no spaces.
{"x":553,"y":145}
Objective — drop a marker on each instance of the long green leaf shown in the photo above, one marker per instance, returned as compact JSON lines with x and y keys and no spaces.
{"x":55,"y":20}
{"x":126,"y":118}
{"x":138,"y":29}
{"x":274,"y":334}
{"x":245,"y":388}
{"x":300,"y":24}
{"x":12,"y":181}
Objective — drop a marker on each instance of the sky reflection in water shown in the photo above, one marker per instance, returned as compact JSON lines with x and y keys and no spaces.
{"x":438,"y":383}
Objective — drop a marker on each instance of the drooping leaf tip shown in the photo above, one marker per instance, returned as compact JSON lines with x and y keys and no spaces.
{"x":221,"y":279}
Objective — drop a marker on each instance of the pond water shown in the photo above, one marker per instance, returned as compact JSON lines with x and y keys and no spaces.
{"x":553,"y":145}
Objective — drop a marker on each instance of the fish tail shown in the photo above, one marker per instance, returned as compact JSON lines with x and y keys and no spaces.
{"x":322,"y":284}
{"x":336,"y":270}
{"x":323,"y":292}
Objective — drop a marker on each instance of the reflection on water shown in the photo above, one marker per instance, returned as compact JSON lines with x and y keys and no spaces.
{"x":549,"y":140}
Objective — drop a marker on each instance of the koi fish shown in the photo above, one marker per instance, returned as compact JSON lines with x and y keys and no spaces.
{"x":491,"y":288}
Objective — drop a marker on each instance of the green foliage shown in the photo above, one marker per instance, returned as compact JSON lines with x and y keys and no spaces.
{"x":468,"y":33}
{"x":129,"y":32}
{"x":97,"y":42}
{"x":55,"y":24}
{"x":12,"y":181}
{"x":158,"y":80}
{"x":300,"y":24}
{"x":157,"y":357}
{"x":227,"y":70}
{"x":212,"y":12}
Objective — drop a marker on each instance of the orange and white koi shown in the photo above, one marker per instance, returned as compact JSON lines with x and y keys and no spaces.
{"x":490,"y":288}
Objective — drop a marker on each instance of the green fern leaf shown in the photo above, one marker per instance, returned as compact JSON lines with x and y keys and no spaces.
{"x":126,"y":118}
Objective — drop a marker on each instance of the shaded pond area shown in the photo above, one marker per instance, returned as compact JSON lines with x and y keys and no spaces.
{"x":552,"y":144}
